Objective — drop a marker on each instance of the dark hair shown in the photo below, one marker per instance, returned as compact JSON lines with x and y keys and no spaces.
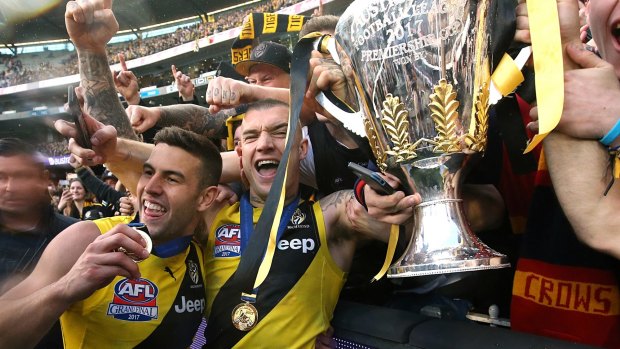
{"x":319,"y":24}
{"x":15,"y":146}
{"x":198,"y":145}
{"x":264,"y":104}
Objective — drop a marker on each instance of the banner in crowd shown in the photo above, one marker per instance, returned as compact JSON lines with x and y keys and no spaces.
{"x":257,"y":24}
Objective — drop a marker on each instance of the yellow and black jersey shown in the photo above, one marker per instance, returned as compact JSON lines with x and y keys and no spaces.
{"x":162,"y":309}
{"x":296,"y":301}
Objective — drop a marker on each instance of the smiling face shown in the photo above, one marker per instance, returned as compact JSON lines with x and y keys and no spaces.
{"x":262,"y":146}
{"x":604,"y":20}
{"x":77,"y":191}
{"x":170,"y":193}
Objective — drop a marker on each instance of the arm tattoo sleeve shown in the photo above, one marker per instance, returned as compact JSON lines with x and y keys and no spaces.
{"x":336,"y":199}
{"x":101,"y":98}
{"x":196,"y":118}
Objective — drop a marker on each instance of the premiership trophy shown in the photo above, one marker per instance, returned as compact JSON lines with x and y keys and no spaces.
{"x":421,"y":71}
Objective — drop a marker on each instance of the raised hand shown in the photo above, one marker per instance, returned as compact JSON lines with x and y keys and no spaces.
{"x":184,"y":84}
{"x":143,"y":118}
{"x":126,"y":82}
{"x":102,"y":137}
{"x":224,"y":93}
{"x":90,"y":23}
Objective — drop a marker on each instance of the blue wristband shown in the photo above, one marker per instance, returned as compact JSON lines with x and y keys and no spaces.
{"x":611,"y":135}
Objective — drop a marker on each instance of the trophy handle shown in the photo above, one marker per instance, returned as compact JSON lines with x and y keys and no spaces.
{"x":351,"y":120}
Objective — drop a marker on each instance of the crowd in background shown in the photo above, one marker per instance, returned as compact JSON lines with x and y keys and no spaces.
{"x":57,"y":148}
{"x":15,"y":71}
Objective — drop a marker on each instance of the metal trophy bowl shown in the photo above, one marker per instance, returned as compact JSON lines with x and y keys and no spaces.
{"x":421,"y":70}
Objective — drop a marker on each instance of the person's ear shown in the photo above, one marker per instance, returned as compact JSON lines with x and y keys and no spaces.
{"x":206,"y":198}
{"x":303,"y":148}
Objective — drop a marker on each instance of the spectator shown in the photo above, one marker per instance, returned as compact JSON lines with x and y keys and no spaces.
{"x":27,"y":221}
{"x":556,"y":272}
{"x":76,"y":202}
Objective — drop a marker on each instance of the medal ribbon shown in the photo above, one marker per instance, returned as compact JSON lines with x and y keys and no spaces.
{"x":548,"y":66}
{"x":247,"y":219}
{"x":266,"y":229}
{"x":389,"y":255}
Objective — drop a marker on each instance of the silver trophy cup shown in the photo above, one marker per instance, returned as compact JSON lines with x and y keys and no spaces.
{"x":421,"y":71}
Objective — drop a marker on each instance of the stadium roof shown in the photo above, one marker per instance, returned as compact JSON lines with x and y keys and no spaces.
{"x":131,"y":14}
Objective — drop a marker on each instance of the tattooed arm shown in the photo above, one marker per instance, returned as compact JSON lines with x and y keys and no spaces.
{"x":102,"y":101}
{"x":91,"y":24}
{"x":342,"y":232}
{"x":341,"y":227}
{"x":196,"y":118}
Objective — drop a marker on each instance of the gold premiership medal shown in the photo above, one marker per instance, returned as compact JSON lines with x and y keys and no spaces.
{"x":244,"y":316}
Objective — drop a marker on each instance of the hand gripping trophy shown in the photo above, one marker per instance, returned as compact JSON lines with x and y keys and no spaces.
{"x":421,"y":71}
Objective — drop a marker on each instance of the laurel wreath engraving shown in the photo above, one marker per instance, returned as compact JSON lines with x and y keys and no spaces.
{"x":396,"y":126}
{"x":444,"y":112}
{"x":479,"y":138}
{"x":375,"y":145}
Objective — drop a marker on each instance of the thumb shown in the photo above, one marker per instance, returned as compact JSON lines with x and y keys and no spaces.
{"x":583,"y":57}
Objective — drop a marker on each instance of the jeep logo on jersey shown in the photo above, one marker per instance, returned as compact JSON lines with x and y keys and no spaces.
{"x":298,"y":217}
{"x":305,"y":245}
{"x":193,"y":271}
{"x":227,"y":241}
{"x":134,"y":300}
{"x":190,"y":306}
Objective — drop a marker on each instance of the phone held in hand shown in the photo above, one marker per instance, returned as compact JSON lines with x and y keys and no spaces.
{"x":82,"y":138}
{"x":373,"y":179}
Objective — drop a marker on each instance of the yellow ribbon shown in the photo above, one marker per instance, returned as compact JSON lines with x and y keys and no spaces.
{"x":389,"y":255}
{"x":548,"y":66}
{"x":265,"y":265}
{"x":507,"y":75}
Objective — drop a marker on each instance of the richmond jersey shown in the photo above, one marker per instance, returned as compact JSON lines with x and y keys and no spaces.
{"x":296,"y":301}
{"x":162,"y":309}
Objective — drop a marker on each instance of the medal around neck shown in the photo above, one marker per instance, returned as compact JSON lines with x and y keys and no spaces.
{"x":244,"y":316}
{"x":149,"y":245}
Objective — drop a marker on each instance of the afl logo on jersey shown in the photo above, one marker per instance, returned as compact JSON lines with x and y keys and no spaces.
{"x":134,"y":300}
{"x":227,"y":241}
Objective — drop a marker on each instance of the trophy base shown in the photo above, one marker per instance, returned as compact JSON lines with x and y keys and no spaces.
{"x":442,"y":243}
{"x":451,"y":266}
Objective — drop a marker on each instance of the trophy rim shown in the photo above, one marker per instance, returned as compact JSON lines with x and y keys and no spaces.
{"x":498,"y":261}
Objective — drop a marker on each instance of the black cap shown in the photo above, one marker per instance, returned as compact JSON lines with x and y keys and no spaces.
{"x":266,"y":52}
{"x":227,"y":70}
{"x":107,"y":174}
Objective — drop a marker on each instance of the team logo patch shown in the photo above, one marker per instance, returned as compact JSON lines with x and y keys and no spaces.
{"x":298,"y":217}
{"x":260,"y":50}
{"x":193,"y":271}
{"x":227,"y":241}
{"x":134,"y":300}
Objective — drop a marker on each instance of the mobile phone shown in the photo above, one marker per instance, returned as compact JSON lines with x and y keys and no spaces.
{"x":82,"y":138}
{"x":64,"y":183}
{"x":373,"y":179}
